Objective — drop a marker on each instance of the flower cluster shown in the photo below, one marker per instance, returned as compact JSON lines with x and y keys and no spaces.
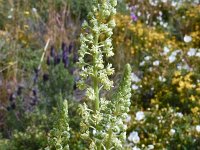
{"x":102,"y":120}
{"x":151,"y":131}
{"x":59,"y":135}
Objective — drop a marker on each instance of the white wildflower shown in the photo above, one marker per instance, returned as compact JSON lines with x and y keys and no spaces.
{"x":133,"y":137}
{"x":174,"y":4}
{"x":174,"y":53}
{"x":136,"y":148}
{"x":10,"y":17}
{"x":149,"y":147}
{"x":186,"y":67}
{"x":172,"y":57}
{"x":192,"y":52}
{"x":198,"y":54}
{"x":179,"y":114}
{"x":94,"y":132}
{"x":165,"y":25}
{"x":156,"y":63}
{"x":165,"y":50}
{"x":147,"y":58}
{"x":198,"y":128}
{"x":172,"y":131}
{"x":139,"y":115}
{"x":138,"y":13}
{"x":187,"y":39}
{"x":134,"y":87}
{"x":34,"y":10}
{"x":135,"y":78}
{"x":142,"y":63}
{"x":128,"y":119}
{"x":161,"y":79}
{"x":164,"y":1}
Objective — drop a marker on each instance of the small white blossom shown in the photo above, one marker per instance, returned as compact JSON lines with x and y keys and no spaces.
{"x":135,"y":78}
{"x":10,"y":17}
{"x":174,"y":53}
{"x":198,"y":54}
{"x":136,"y":148}
{"x":172,"y":58}
{"x":192,"y":52}
{"x":179,"y":114}
{"x":172,"y":131}
{"x":156,"y":63}
{"x":165,"y":50}
{"x":186,"y":67}
{"x":198,"y":128}
{"x":134,"y":87}
{"x":34,"y":10}
{"x":165,"y":25}
{"x":161,"y":79}
{"x":187,"y":39}
{"x":133,"y":137}
{"x":139,"y":115}
{"x":150,"y":69}
{"x":150,"y":147}
{"x":94,"y":132}
{"x":139,"y":13}
{"x":164,"y":1}
{"x":174,"y":4}
{"x":147,"y":58}
{"x":142,"y":63}
{"x":128,"y":119}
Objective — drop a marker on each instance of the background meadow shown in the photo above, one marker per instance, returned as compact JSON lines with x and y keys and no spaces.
{"x":39,"y":43}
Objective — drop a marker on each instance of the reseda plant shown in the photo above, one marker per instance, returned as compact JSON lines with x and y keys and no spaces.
{"x":102,"y":120}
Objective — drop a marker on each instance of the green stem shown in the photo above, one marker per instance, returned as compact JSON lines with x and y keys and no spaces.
{"x":109,"y":138}
{"x":95,"y":79}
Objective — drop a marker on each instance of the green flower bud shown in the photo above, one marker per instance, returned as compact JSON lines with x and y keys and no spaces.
{"x":112,"y":23}
{"x":113,"y":3}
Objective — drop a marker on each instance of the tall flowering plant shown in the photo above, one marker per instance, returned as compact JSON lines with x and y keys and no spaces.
{"x":102,"y":124}
{"x":102,"y":119}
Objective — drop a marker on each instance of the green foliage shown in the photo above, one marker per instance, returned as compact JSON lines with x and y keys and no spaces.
{"x":180,"y":133}
{"x":59,"y":135}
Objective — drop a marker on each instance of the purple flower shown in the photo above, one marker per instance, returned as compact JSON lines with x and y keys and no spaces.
{"x":133,"y":16}
{"x":19,"y":90}
{"x":36,"y":75}
{"x":13,"y":106}
{"x":52,"y":52}
{"x":48,"y":60}
{"x":70,"y":48}
{"x":57,"y":59}
{"x":66,"y":63}
{"x":132,"y":8}
{"x":64,"y":56}
{"x":75,"y":57}
{"x":34,"y":92}
{"x":45,"y":77}
{"x":63,"y":46}
{"x":11,"y":97}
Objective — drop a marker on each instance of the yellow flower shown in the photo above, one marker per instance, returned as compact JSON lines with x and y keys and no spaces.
{"x":195,"y":109}
{"x":26,"y":26}
{"x":198,"y":89}
{"x":192,"y":98}
{"x":26,"y":13}
{"x":177,"y":73}
{"x":181,"y":84}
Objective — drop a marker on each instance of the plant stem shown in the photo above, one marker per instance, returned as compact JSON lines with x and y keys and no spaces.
{"x":109,"y":138}
{"x":95,"y":79}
